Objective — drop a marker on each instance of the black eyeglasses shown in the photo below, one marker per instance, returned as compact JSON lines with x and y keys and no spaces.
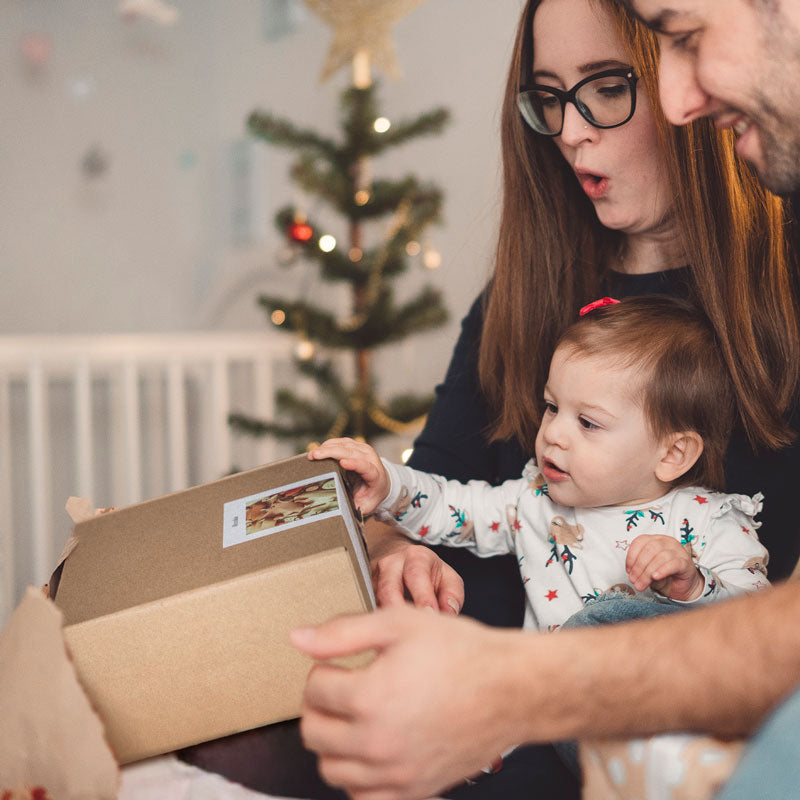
{"x":606,"y":99}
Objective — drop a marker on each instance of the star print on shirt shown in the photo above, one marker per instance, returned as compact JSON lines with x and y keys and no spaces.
{"x":622,"y":544}
{"x":552,"y":594}
{"x":517,"y":525}
{"x":699,"y":499}
{"x":746,"y":530}
{"x":495,"y":526}
{"x":424,"y":530}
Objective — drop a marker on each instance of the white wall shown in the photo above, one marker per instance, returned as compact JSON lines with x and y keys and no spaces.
{"x":147,"y":246}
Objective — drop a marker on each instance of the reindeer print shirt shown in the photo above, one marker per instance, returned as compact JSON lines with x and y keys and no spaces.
{"x":569,"y":556}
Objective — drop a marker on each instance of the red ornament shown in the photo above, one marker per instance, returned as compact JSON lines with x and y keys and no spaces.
{"x":300,"y":232}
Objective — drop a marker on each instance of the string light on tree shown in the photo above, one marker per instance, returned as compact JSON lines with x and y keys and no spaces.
{"x":327,"y":243}
{"x":361,"y":197}
{"x":304,"y":350}
{"x":381,"y":125}
{"x":413,"y":248}
{"x":278,"y":316}
{"x":432,"y":259}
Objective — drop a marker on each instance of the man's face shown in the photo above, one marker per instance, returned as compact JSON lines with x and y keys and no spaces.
{"x":737,"y":61}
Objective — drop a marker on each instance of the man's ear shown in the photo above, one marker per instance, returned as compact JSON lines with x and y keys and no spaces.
{"x":680,"y":452}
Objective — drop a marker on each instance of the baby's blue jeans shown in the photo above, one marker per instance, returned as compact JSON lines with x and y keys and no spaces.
{"x":770,"y":767}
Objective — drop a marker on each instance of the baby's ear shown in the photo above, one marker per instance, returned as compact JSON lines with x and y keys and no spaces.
{"x":679,"y":454}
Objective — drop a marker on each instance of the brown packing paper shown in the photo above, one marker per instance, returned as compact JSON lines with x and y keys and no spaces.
{"x":50,"y":738}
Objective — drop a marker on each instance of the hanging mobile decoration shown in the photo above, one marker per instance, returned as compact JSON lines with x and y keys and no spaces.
{"x":35,"y":49}
{"x":95,"y":162}
{"x":154,"y":10}
{"x":82,"y":88}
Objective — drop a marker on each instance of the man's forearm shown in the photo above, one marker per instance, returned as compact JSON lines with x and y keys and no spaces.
{"x":718,"y":669}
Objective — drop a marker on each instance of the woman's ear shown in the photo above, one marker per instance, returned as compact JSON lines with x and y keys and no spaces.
{"x":679,"y":454}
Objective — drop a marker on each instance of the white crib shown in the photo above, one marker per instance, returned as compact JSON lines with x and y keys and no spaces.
{"x":119,"y":419}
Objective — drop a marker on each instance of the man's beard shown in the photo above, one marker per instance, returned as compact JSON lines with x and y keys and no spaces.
{"x":781,"y":157}
{"x":778,"y":103}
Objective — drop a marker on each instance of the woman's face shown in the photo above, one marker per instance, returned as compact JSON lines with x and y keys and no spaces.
{"x":620,"y":169}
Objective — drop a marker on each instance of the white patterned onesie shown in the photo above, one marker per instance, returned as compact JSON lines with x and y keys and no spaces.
{"x":569,"y":556}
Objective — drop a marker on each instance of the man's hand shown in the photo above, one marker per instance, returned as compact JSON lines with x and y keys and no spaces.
{"x":662,"y":563}
{"x":433,"y":708}
{"x":402,"y":571}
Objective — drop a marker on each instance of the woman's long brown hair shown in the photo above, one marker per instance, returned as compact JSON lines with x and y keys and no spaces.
{"x":552,"y":255}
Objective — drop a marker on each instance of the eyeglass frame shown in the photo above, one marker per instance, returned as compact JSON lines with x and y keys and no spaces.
{"x":569,"y":96}
{"x":526,"y":68}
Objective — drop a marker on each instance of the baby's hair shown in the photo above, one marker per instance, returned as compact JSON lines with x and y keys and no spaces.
{"x":685,"y":384}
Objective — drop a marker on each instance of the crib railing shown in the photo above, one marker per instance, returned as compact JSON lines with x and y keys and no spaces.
{"x":118,"y":419}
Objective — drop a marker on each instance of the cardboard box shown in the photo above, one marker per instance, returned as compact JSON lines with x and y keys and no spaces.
{"x":177,"y":611}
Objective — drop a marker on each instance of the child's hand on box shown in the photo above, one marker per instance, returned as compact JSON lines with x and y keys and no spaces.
{"x":663,"y":564}
{"x":360,"y":458}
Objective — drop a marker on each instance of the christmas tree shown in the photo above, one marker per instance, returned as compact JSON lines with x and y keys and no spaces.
{"x":339,"y":174}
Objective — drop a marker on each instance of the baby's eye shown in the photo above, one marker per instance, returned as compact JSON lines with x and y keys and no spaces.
{"x":550,"y":408}
{"x":588,"y":424}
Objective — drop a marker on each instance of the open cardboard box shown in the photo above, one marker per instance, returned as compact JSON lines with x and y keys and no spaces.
{"x":177,"y":611}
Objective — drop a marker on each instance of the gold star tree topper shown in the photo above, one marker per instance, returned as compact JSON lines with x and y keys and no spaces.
{"x":361,"y":34}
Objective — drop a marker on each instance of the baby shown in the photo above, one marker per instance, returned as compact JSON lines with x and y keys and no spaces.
{"x":625,"y":493}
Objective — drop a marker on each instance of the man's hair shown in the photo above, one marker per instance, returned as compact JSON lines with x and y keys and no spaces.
{"x":553,"y":256}
{"x":683,"y":383}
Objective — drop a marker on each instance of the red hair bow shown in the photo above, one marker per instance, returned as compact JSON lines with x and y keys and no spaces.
{"x":603,"y":301}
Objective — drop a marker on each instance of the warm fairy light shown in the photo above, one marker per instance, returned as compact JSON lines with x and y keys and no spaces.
{"x":432,"y":259}
{"x":278,"y":317}
{"x":355,"y":254}
{"x":327,"y":243}
{"x":413,"y":248}
{"x":406,"y":454}
{"x":361,"y":197}
{"x":359,"y":439}
{"x":304,"y":350}
{"x":381,"y":125}
{"x":312,"y":446}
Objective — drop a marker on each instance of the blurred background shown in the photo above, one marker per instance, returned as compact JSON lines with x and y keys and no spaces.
{"x":137,"y":232}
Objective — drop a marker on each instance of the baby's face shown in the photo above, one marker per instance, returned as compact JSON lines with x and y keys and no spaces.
{"x":594,"y":446}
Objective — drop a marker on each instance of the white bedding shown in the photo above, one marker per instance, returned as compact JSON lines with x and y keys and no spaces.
{"x":167,"y":778}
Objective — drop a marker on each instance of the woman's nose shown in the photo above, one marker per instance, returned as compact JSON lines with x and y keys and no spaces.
{"x":576,"y":129}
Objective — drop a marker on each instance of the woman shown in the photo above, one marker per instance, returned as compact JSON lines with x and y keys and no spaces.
{"x":621,"y":209}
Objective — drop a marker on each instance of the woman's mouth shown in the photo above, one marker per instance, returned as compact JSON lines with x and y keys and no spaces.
{"x":594,"y":184}
{"x":552,"y":472}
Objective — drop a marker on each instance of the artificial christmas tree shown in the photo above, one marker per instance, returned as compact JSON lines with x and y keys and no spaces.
{"x":338,"y":173}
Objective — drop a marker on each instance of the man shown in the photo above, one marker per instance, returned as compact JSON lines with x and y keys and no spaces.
{"x":737,"y":61}
{"x":728,"y":668}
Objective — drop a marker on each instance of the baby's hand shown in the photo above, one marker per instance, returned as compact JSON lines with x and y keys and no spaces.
{"x":662,"y":563}
{"x":362,"y":459}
